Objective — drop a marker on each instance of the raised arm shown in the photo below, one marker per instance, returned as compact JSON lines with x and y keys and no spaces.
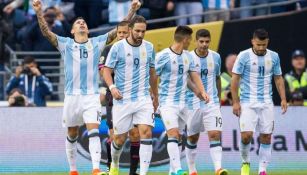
{"x":37,"y":6}
{"x":135,"y":5}
{"x":280,"y":85}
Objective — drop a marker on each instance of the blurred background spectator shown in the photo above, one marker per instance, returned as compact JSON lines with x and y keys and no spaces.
{"x":296,"y":79}
{"x":226,"y":98}
{"x":17,"y":99}
{"x":32,"y":83}
{"x":188,"y":7}
{"x":214,"y":5}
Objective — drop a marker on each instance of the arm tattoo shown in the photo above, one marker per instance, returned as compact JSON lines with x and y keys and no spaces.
{"x":45,"y":30}
{"x":111,"y":35}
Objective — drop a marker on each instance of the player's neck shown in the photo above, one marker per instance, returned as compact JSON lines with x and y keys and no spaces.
{"x":81,"y":38}
{"x":177,"y":48}
{"x":201,"y":54}
{"x":132,"y":42}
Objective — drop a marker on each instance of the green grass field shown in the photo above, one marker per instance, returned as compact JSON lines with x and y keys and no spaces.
{"x":165,"y":173}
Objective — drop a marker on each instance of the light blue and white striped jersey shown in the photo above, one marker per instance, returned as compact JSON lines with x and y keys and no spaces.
{"x":173,"y":70}
{"x":209,"y":68}
{"x":216,"y":4}
{"x":131,"y":66}
{"x":256,"y":75}
{"x":81,"y":64}
{"x":118,"y":10}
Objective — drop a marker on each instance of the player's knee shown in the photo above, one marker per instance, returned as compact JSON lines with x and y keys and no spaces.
{"x":73,"y":132}
{"x":173,"y":133}
{"x":119,"y":140}
{"x":214,"y":135}
{"x":265,"y":138}
{"x":246,"y":138}
{"x":193,"y":139}
{"x":145,"y":133}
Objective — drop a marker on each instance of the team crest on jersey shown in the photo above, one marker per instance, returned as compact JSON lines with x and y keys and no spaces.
{"x":143,"y":55}
{"x":186,"y":60}
{"x":268,"y":62}
{"x":89,"y":45}
{"x":210,"y":65}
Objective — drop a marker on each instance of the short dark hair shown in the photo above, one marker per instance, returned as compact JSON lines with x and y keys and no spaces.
{"x":181,"y":32}
{"x":28,"y":60}
{"x":202,"y":33}
{"x":80,"y":17}
{"x":49,"y":8}
{"x":137,"y":19}
{"x":123,"y":23}
{"x":261,"y":34}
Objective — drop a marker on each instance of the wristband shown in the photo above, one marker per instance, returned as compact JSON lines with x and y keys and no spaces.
{"x":112,"y":86}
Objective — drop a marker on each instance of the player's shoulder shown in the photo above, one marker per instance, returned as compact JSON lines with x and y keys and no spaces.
{"x":147,"y":43}
{"x":273,"y":54}
{"x":244,"y":54}
{"x":63,"y":39}
{"x":164,"y":52}
{"x":215,"y":54}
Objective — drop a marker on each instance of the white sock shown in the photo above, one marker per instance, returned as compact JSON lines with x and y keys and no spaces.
{"x":71,"y":152}
{"x":244,"y":150}
{"x":190,"y":152}
{"x":174,"y":154}
{"x":216,"y":154}
{"x":115,"y":152}
{"x":95,"y":147}
{"x":145,"y":155}
{"x":265,"y":153}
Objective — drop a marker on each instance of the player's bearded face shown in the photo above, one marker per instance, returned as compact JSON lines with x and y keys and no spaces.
{"x":203,"y":43}
{"x":260,"y":46}
{"x":138,"y":32}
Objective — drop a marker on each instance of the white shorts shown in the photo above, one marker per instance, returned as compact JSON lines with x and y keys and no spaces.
{"x":174,"y":117}
{"x":257,"y":117}
{"x":125,"y":116}
{"x":209,"y":119}
{"x":80,"y":109}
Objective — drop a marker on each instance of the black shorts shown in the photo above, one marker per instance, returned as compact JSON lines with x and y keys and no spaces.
{"x":109,"y":106}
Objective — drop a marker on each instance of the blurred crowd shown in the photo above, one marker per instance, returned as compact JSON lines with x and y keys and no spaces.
{"x":21,"y":31}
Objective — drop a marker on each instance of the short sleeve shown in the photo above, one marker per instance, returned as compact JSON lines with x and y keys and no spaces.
{"x":192,"y":67}
{"x":102,"y":40}
{"x":112,"y":57}
{"x":160,"y":61}
{"x":62,"y":42}
{"x":152,"y":59}
{"x":276,"y":65}
{"x":218,"y":65}
{"x":239,"y":64}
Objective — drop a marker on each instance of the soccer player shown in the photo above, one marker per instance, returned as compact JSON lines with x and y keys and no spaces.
{"x":173,"y":66}
{"x":201,"y":115}
{"x":81,"y":104}
{"x":132,"y":61}
{"x":254,"y":69}
{"x":122,"y":33}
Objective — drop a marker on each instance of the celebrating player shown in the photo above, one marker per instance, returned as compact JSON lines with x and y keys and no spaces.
{"x":81,"y":104}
